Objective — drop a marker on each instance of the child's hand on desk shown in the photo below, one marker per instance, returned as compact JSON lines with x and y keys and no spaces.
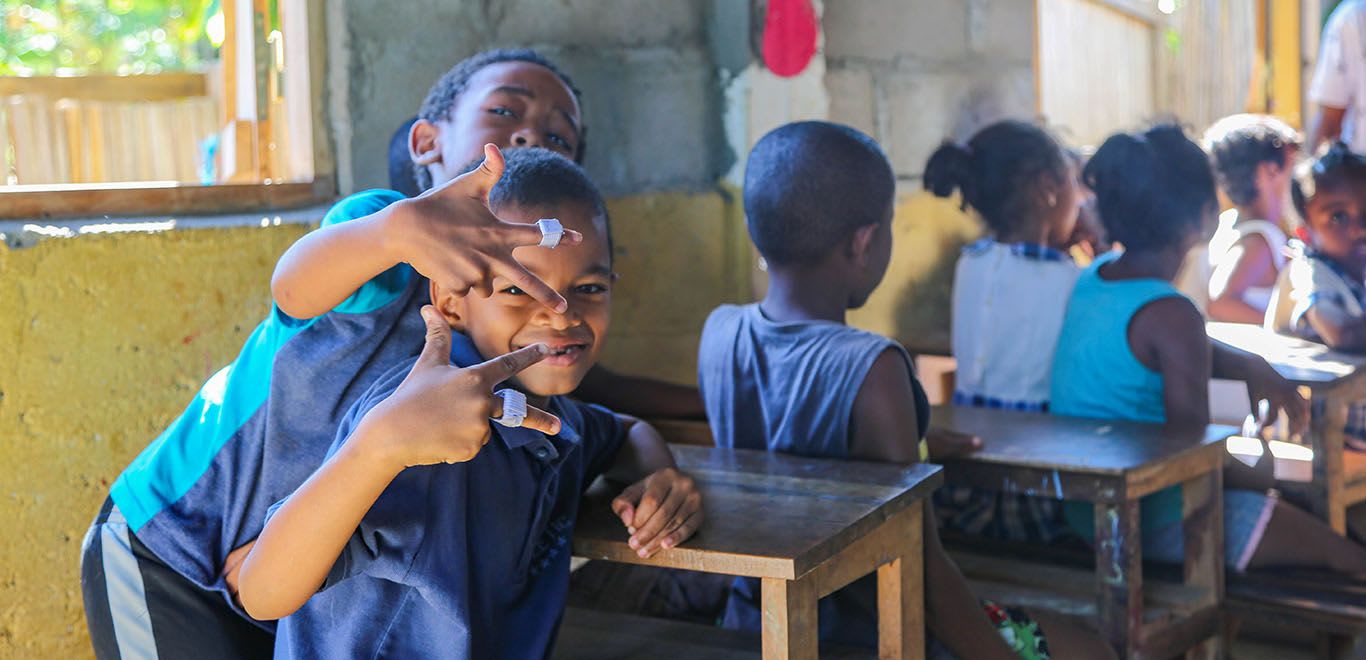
{"x":659,"y":511}
{"x":945,"y":444}
{"x":450,"y":236}
{"x":440,"y":413}
{"x":1281,"y":394}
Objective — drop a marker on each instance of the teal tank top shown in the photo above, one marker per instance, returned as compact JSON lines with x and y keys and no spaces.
{"x":1095,"y":374}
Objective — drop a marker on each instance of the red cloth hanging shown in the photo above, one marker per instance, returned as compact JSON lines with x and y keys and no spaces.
{"x":789,"y":36}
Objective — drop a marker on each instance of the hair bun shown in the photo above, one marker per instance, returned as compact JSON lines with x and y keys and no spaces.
{"x":949,"y":168}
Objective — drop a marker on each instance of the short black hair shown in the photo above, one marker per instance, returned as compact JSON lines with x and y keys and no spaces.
{"x":441,"y":97}
{"x":1238,"y":144}
{"x":1151,"y":187}
{"x":535,"y":177}
{"x":809,"y":185}
{"x":401,"y":174}
{"x":998,"y":171}
{"x":1335,"y":165}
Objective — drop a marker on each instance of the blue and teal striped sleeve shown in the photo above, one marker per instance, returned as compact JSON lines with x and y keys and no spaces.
{"x":384,"y":288}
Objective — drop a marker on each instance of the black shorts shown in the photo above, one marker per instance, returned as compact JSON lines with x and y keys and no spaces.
{"x":137,"y":607}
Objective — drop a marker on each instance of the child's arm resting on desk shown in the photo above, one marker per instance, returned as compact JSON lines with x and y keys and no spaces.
{"x":439,"y":414}
{"x":662,"y":509}
{"x":448,"y":234}
{"x":1338,"y":329}
{"x":883,"y":429}
{"x":1262,"y":383}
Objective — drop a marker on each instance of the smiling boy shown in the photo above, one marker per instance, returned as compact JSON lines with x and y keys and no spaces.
{"x":412,"y":545}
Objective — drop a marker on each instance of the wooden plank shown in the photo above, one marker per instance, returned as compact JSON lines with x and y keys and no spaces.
{"x":1119,"y":574}
{"x":1299,"y":361}
{"x":1078,"y":445}
{"x":1072,"y":587}
{"x":1035,"y":482}
{"x":901,"y":593}
{"x":768,"y":515}
{"x":59,"y":201}
{"x":1354,"y":477}
{"x":883,"y":546}
{"x":98,"y":87}
{"x":789,"y":614}
{"x":1328,"y":495}
{"x":1202,"y":523}
{"x":595,"y":635}
{"x":684,"y":431}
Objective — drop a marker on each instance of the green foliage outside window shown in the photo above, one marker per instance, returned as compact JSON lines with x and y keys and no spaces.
{"x":121,"y":37}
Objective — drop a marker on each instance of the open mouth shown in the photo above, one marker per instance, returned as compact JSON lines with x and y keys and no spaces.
{"x":565,"y":354}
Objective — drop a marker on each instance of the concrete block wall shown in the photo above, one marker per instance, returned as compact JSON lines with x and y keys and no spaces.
{"x":913,"y":72}
{"x":651,"y":101}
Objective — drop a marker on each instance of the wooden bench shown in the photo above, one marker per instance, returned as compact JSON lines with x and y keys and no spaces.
{"x":593,"y":635}
{"x":1334,"y":380}
{"x":1332,"y":606}
{"x":805,"y":528}
{"x":1112,"y":465}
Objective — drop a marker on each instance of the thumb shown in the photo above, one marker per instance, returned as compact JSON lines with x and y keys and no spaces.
{"x":436,"y":352}
{"x":624,"y":504}
{"x":489,"y":172}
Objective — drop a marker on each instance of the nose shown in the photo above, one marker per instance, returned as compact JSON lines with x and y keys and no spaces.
{"x":527,"y":137}
{"x":560,"y":321}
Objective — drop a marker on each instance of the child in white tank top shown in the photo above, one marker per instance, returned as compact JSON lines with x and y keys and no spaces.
{"x":1252,"y":157}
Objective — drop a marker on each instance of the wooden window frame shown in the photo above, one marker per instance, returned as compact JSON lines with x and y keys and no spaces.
{"x":42,"y":202}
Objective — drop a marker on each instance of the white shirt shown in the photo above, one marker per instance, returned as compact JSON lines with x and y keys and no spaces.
{"x":1340,"y":74}
{"x":1008,"y":307}
{"x":1222,"y":257}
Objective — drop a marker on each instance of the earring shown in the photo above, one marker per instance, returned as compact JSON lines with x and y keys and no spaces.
{"x":1052,"y":200}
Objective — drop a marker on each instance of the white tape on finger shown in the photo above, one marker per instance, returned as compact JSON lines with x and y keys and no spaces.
{"x":551,"y":232}
{"x":514,"y":408}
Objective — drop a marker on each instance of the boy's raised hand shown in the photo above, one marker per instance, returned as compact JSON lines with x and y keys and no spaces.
{"x":440,"y":413}
{"x":450,"y":236}
{"x":659,"y":511}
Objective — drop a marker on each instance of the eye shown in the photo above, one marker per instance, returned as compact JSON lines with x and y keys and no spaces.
{"x":513,"y":291}
{"x":502,"y":111}
{"x":1338,"y":218}
{"x":559,"y":141}
{"x":590,"y":289}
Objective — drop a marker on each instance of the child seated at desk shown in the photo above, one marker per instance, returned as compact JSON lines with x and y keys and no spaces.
{"x":788,"y":375}
{"x":428,"y":532}
{"x":1006,"y":291}
{"x":1321,"y":296}
{"x":1253,"y":157}
{"x":1133,"y":348}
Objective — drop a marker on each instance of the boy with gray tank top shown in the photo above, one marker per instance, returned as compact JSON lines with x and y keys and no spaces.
{"x":788,"y":375}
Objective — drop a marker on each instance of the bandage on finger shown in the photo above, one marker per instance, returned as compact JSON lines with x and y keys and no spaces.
{"x":514,"y":408}
{"x":551,"y":232}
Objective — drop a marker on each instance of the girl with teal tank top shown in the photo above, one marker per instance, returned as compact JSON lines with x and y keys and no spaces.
{"x":1096,"y":374}
{"x":1155,"y":192}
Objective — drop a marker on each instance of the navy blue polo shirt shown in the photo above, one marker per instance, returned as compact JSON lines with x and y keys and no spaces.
{"x":469,"y":560}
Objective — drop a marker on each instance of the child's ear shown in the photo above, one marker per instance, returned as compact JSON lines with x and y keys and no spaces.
{"x":862,"y":241}
{"x":423,"y":146}
{"x":449,"y":305}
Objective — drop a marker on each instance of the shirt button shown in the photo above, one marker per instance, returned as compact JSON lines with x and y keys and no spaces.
{"x":542,"y":452}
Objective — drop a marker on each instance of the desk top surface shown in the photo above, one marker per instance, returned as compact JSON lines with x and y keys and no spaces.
{"x":1302,"y":362}
{"x":1078,"y":445}
{"x":767,"y":515}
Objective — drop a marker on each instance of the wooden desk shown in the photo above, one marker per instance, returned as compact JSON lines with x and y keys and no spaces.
{"x":805,"y":527}
{"x":1334,"y":381}
{"x":1112,"y":465}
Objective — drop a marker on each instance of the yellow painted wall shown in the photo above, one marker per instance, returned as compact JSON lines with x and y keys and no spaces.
{"x":104,"y":339}
{"x":912,"y":303}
